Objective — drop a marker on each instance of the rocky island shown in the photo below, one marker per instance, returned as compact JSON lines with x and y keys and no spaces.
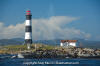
{"x":48,"y":51}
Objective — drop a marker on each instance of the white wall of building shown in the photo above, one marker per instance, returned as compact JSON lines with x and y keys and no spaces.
{"x":72,"y":44}
{"x":66,"y":44}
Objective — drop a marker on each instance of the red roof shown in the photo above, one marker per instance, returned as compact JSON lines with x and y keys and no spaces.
{"x":63,"y":41}
{"x":28,"y":11}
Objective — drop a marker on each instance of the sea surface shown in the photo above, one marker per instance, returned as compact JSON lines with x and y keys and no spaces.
{"x":8,"y":61}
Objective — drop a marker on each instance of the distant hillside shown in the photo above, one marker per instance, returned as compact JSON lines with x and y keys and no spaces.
{"x":51,"y":42}
{"x":82,"y":42}
{"x":14,"y":41}
{"x":91,"y":44}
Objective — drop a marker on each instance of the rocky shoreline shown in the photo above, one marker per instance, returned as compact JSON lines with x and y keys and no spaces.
{"x":63,"y":53}
{"x":47,"y":51}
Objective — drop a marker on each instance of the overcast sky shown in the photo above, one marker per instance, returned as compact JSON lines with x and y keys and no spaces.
{"x":51,"y":19}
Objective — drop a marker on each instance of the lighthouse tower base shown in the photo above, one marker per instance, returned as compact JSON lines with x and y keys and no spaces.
{"x":28,"y":46}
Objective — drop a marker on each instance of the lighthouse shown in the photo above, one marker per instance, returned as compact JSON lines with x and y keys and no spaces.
{"x":28,"y":29}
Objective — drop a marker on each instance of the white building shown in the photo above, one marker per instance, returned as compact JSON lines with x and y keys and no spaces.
{"x":67,"y":43}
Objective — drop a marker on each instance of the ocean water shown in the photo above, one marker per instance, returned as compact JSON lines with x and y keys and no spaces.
{"x":49,"y":62}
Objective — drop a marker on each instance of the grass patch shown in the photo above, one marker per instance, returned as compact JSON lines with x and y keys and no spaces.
{"x":18,"y":48}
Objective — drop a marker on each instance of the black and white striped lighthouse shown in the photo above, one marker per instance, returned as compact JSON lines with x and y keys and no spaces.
{"x":28,"y":29}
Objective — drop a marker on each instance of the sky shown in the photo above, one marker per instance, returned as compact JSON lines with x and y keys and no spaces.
{"x":51,"y":19}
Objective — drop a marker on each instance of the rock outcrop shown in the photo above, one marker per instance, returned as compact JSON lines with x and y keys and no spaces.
{"x":71,"y":52}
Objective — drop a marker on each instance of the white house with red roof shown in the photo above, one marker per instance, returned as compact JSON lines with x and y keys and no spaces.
{"x":67,"y":43}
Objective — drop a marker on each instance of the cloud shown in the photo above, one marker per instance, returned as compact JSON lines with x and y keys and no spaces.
{"x":45,"y":28}
{"x":11,"y":31}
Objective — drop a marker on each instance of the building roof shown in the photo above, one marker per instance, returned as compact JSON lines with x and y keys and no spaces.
{"x":63,"y":41}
